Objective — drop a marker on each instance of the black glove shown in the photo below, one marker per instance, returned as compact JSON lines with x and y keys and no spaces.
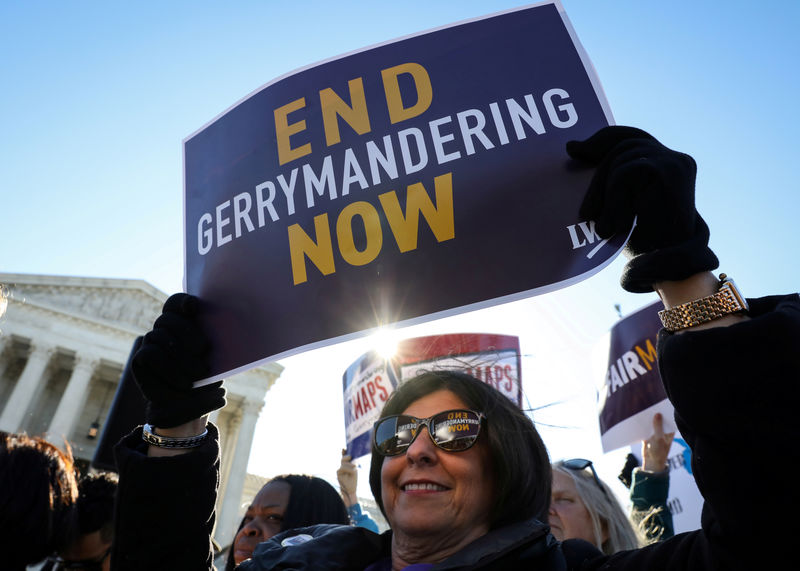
{"x":638,"y":176}
{"x":172,"y":356}
{"x":626,"y":475}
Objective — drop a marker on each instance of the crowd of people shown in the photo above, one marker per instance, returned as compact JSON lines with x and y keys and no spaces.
{"x":459,"y":472}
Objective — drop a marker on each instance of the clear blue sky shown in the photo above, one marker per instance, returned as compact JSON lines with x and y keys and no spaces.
{"x":97,"y":97}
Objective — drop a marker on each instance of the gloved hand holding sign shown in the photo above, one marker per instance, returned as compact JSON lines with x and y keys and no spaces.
{"x":639,"y":177}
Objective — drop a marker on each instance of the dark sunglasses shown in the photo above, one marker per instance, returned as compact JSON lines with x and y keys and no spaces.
{"x":94,"y":564}
{"x":579,"y":464}
{"x":451,"y":430}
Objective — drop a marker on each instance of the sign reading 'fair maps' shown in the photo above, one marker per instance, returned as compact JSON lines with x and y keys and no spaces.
{"x":632,"y":391}
{"x":404,"y":182}
{"x":367,"y":383}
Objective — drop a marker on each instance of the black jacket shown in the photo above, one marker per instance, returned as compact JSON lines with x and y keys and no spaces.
{"x":525,"y":545}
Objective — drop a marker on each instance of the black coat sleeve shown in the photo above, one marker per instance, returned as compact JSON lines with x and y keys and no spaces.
{"x":164,"y":513}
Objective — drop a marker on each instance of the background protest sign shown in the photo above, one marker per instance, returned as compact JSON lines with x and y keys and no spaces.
{"x":404,"y":182}
{"x":494,"y":359}
{"x":632,"y":392}
{"x":368,"y":382}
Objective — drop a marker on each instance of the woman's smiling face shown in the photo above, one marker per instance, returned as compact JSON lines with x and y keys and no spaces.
{"x":430,"y":493}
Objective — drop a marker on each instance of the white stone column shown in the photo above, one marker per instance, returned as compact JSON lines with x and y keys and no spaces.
{"x":4,"y":360}
{"x":227,"y":522}
{"x":71,"y":403}
{"x":26,"y":388}
{"x":228,"y":433}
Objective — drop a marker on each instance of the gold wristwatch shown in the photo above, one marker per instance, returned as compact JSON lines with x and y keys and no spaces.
{"x":726,"y":301}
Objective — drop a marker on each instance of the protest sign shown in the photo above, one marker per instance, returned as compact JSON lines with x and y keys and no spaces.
{"x":632,"y":392}
{"x":684,"y":501}
{"x":494,"y":359}
{"x":404,"y":182}
{"x":367,"y":384}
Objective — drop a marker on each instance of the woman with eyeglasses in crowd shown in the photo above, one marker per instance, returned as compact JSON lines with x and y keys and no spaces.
{"x":460,"y":473}
{"x":582,"y":506}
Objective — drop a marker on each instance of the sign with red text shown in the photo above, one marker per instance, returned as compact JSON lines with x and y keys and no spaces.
{"x":405,"y":182}
{"x":632,"y":391}
{"x":494,"y":359}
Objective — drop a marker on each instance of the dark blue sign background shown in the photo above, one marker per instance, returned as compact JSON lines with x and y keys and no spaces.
{"x":646,"y":389}
{"x":512,"y":203}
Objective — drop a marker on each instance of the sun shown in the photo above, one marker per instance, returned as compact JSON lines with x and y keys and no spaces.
{"x":384,"y":341}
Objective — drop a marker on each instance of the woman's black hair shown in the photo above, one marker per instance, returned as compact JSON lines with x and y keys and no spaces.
{"x":38,"y":491}
{"x":96,"y":494}
{"x":312,"y":501}
{"x":520,"y":463}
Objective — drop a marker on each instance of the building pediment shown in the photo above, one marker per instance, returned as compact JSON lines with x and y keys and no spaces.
{"x":121,"y":302}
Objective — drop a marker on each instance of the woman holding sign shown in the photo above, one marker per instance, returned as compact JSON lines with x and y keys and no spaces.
{"x":460,"y":473}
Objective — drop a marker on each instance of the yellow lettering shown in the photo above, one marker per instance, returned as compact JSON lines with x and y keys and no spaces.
{"x":320,"y":253}
{"x":649,"y":356}
{"x":344,"y":233}
{"x":333,"y":106}
{"x":440,"y":217}
{"x":394,"y":101}
{"x":284,"y":130}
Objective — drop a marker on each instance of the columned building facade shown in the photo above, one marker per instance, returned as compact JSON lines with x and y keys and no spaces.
{"x":63,"y":344}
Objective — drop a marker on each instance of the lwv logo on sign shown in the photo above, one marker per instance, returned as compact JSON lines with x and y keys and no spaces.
{"x":589,"y":237}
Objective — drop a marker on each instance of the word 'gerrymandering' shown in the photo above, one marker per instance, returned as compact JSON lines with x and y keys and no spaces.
{"x":378,"y":161}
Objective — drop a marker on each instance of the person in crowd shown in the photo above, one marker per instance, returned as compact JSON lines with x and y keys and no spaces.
{"x":649,"y":486}
{"x":285,"y":502}
{"x":38,"y":492}
{"x":460,"y":473}
{"x":347,"y":474}
{"x":584,"y":507}
{"x":90,"y":549}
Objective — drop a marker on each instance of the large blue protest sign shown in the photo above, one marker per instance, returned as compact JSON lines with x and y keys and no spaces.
{"x":632,"y":391}
{"x":368,"y":382}
{"x":404,"y":182}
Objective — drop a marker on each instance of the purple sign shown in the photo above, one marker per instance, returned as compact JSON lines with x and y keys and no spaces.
{"x":632,"y":390}
{"x":408,"y":181}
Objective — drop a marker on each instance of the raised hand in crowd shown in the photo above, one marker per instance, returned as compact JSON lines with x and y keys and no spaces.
{"x":649,"y":486}
{"x":655,"y":449}
{"x":156,"y":509}
{"x":347,"y":474}
{"x":638,"y":178}
{"x":173,"y":355}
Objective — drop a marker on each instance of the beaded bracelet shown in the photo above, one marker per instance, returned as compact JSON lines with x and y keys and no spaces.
{"x":172,"y":442}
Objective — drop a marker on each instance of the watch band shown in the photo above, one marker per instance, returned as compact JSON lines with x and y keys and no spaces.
{"x":726,"y":301}
{"x":172,"y":442}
